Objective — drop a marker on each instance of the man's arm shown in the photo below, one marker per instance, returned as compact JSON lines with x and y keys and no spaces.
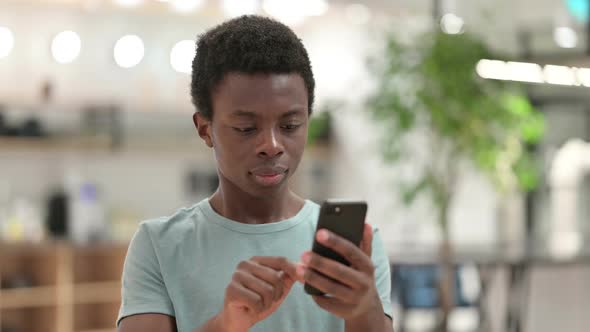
{"x":380,"y":322}
{"x":148,"y":323}
{"x":163,"y":323}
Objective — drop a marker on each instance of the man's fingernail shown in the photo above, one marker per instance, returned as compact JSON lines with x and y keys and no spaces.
{"x":306,"y":257}
{"x":323,"y":235}
{"x":300,"y":271}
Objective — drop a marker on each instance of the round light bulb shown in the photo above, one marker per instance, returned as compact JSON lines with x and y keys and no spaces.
{"x":565,"y":37}
{"x":6,"y":42}
{"x":182,"y":55}
{"x":452,"y":24}
{"x":128,"y":51}
{"x":66,"y":46}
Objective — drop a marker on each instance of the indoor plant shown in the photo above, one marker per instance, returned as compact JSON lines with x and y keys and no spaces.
{"x":430,"y":88}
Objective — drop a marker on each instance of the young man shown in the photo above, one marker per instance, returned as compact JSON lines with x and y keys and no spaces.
{"x":229,"y":262}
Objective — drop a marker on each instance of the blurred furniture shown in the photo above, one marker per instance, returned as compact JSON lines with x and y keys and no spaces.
{"x":415,"y":287}
{"x":517,"y":258}
{"x":58,"y":287}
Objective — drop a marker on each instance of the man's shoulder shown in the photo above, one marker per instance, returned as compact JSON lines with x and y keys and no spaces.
{"x":181,"y":221}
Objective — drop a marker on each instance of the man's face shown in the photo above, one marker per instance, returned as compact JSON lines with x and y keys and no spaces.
{"x":258,"y":131}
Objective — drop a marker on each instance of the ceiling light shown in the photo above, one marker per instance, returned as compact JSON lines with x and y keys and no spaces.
{"x":560,"y":75}
{"x":182,"y":55}
{"x":452,"y":24}
{"x":583,"y":76}
{"x":6,"y":42}
{"x":565,"y":37}
{"x":525,"y":72}
{"x":66,"y":46}
{"x":129,"y":51}
{"x":492,"y":69}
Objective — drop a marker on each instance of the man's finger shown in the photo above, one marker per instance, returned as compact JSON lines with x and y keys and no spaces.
{"x":333,"y":269}
{"x":367,"y":242}
{"x":332,"y":305}
{"x":347,"y":249}
{"x":277,"y":263}
{"x":335,"y":289}
{"x":239,"y":294}
{"x":264,"y":273}
{"x":266,"y":291}
{"x":300,"y":268}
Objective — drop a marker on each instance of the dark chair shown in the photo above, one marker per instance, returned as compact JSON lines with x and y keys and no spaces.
{"x":416,"y":287}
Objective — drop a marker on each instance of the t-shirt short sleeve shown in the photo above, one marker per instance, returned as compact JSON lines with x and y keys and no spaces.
{"x":143,"y":289}
{"x":382,"y":272}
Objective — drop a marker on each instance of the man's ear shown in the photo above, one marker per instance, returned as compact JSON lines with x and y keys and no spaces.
{"x":203,"y":127}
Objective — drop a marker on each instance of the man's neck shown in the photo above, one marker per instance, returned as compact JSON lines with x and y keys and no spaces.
{"x":248,"y":209}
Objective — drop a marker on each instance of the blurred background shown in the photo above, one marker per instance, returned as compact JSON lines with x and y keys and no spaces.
{"x":465,"y":124}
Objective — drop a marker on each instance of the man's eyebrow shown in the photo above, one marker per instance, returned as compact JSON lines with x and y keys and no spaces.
{"x":298,"y":111}
{"x":243,"y":114}
{"x":249,"y":114}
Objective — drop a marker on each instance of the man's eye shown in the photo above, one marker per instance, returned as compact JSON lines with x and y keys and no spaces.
{"x":244,"y":130}
{"x":291,"y":126}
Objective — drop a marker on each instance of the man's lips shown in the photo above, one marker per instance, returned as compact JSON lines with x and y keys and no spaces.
{"x":269,"y":176}
{"x":269,"y":170}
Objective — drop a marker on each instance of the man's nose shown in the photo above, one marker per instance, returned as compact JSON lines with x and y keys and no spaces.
{"x":270,"y":145}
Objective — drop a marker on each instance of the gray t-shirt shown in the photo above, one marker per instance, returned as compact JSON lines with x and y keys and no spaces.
{"x":180,"y":266}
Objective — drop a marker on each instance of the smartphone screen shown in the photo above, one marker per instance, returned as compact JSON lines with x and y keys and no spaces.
{"x":345,"y":218}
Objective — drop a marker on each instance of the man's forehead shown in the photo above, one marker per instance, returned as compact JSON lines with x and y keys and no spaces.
{"x":252,"y":114}
{"x":251,"y":96}
{"x":274,"y":80}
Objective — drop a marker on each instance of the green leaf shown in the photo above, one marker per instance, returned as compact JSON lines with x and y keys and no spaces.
{"x":527,"y":173}
{"x":518,"y":105}
{"x":533,"y":128}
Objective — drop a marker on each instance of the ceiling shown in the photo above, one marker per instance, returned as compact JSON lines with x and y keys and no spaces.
{"x":500,"y":22}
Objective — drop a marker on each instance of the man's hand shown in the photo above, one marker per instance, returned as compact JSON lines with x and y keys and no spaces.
{"x":258,"y":287}
{"x":352,"y":294}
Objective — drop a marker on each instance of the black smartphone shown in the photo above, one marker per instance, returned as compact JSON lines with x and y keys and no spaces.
{"x":342,"y":217}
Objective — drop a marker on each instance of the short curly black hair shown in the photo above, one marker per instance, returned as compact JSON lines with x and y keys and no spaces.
{"x":248,"y":44}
